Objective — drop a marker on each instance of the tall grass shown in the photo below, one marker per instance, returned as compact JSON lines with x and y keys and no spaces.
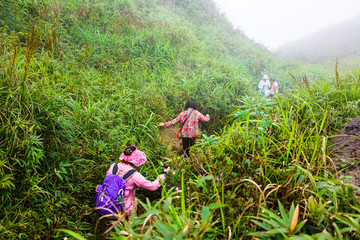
{"x":277,"y":150}
{"x":272,"y":155}
{"x":80,"y":80}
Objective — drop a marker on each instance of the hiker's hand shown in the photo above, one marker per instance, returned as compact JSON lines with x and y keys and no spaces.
{"x":167,"y":170}
{"x":161,"y":124}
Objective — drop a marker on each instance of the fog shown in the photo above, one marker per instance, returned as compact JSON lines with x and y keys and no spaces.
{"x":276,"y":22}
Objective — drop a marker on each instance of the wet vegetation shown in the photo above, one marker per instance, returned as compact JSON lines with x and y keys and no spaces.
{"x":80,"y":80}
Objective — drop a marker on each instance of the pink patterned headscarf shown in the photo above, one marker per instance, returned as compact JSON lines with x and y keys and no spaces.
{"x":137,"y":157}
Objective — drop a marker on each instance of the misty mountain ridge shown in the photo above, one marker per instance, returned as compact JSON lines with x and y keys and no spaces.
{"x":336,"y":41}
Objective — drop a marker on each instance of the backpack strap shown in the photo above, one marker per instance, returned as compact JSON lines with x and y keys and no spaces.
{"x":115,"y":169}
{"x":129,"y":174}
{"x":182,"y":124}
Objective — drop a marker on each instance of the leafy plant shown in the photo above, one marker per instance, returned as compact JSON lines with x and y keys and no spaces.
{"x":279,"y":227}
{"x":316,"y":211}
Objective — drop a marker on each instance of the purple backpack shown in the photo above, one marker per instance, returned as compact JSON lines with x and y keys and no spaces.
{"x":110,"y":195}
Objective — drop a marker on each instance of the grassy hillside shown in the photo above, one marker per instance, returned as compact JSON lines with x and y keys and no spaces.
{"x":80,"y":80}
{"x":83,"y":79}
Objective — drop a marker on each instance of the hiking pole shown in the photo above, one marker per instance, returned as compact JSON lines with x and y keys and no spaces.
{"x":204,"y":126}
{"x":166,"y":166}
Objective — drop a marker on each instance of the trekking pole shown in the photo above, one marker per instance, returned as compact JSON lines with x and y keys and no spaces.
{"x":166,"y":166}
{"x":204,"y":126}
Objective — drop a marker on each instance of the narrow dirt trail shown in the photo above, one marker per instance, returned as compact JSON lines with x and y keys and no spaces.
{"x":168,"y":137}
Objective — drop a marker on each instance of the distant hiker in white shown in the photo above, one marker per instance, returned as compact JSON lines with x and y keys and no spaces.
{"x":264,"y":85}
{"x":274,"y":88}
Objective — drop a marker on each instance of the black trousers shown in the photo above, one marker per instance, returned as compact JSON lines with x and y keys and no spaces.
{"x":187,"y":143}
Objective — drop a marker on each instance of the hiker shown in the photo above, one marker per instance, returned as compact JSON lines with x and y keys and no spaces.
{"x":129,"y":159}
{"x":190,"y":129}
{"x":274,"y":88}
{"x":264,"y":86}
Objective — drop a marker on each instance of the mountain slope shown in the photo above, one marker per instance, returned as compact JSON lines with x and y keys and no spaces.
{"x":82,"y":79}
{"x":337,"y":41}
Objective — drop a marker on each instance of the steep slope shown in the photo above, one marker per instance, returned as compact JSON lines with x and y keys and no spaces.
{"x":82,"y":79}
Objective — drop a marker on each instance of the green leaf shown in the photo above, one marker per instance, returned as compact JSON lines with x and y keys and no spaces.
{"x":167,"y":204}
{"x":299,"y":226}
{"x":262,"y":225}
{"x":311,"y":204}
{"x":150,"y":212}
{"x":278,"y":230}
{"x":73,"y":234}
{"x":265,"y":124}
{"x":203,"y":179}
{"x":205,"y":214}
{"x":165,"y":230}
{"x":131,"y":230}
{"x":283,"y":212}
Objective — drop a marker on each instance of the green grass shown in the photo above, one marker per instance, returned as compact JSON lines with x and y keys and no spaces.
{"x":80,"y":80}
